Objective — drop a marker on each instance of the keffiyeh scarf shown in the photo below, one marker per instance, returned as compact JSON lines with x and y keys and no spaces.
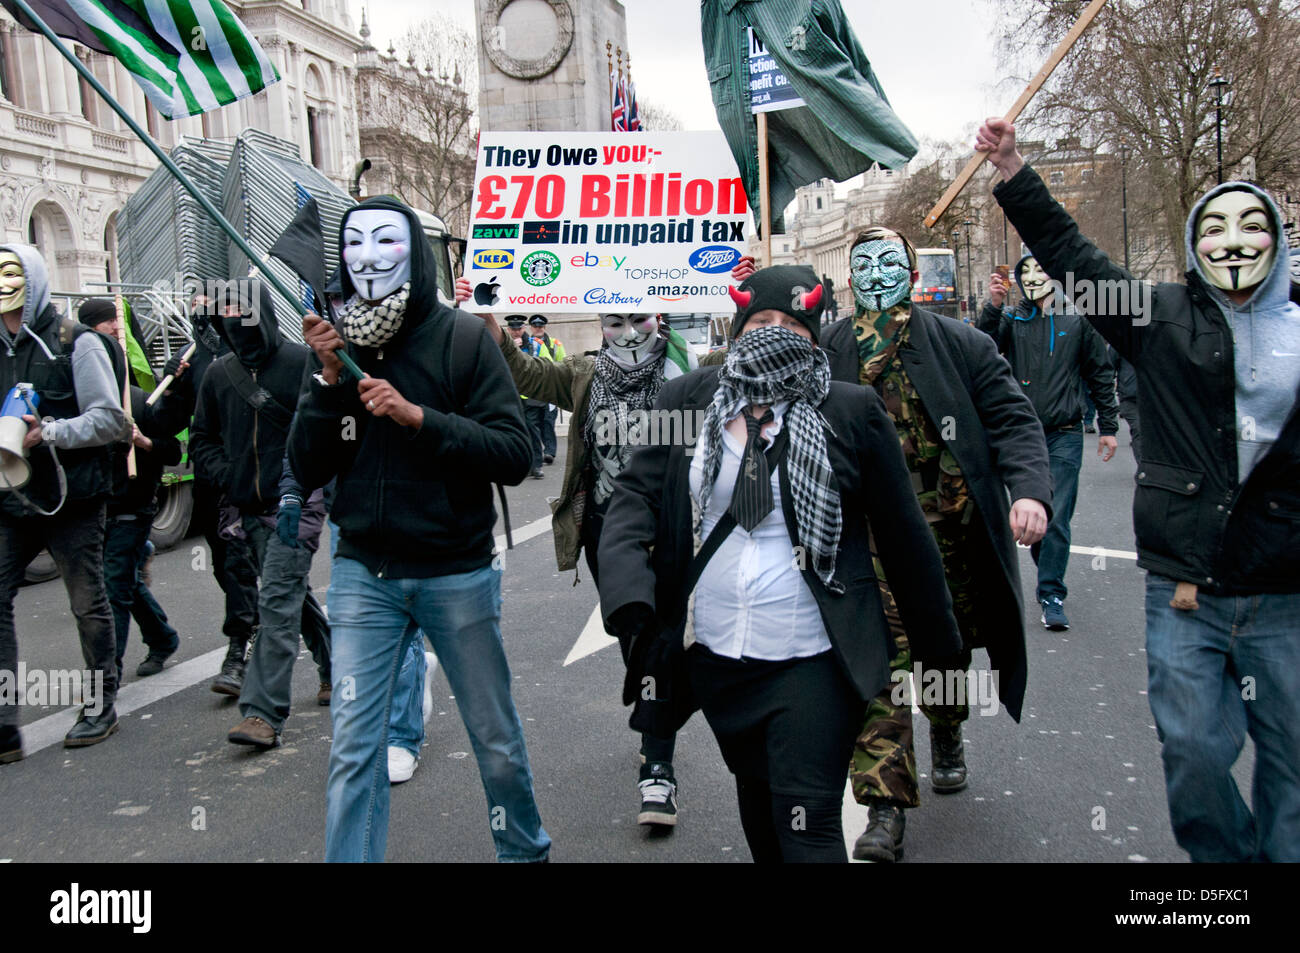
{"x":374,"y":325}
{"x":767,"y":366}
{"x":619,"y":394}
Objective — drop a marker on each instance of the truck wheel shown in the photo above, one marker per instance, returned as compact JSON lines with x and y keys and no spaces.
{"x":172,"y":522}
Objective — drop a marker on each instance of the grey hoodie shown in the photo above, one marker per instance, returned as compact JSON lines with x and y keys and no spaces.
{"x":1266,"y":339}
{"x":101,"y":420}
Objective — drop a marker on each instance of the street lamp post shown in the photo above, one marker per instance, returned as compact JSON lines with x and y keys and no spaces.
{"x":956,"y":271}
{"x":1219,"y":83}
{"x":970,"y":281}
{"x":1123,"y":170}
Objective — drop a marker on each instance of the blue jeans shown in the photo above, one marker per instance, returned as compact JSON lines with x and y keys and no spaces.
{"x":1052,"y":553}
{"x":406,"y":726}
{"x":373,"y":622}
{"x":1228,"y":668}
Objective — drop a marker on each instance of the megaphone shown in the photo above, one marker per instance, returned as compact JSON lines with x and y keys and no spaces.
{"x":15,"y":471}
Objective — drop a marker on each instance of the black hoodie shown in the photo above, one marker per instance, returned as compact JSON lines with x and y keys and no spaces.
{"x":1049,"y":353}
{"x":234,"y":447}
{"x":416,"y":503}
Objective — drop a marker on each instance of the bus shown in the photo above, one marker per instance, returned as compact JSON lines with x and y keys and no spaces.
{"x":936,"y":289}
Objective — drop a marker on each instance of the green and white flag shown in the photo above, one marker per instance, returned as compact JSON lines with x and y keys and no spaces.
{"x":190,"y":56}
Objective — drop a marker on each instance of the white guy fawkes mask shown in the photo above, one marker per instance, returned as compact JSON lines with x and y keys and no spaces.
{"x":632,"y":338}
{"x":882,"y":276}
{"x":1034,"y":280}
{"x":377,"y":251}
{"x":1234,"y":241}
{"x":13,"y":282}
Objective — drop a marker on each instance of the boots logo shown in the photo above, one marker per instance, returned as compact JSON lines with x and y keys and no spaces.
{"x":540,"y":268}
{"x":713,"y":260}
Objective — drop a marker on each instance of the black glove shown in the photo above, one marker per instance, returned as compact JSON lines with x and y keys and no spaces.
{"x":636,"y":628}
{"x":173,"y":366}
{"x":286,"y":524}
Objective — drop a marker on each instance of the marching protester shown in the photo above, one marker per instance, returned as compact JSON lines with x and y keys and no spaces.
{"x":241,"y":427}
{"x":969,"y":439}
{"x":1054,"y":354}
{"x":234,"y":564}
{"x":134,"y":502}
{"x":415,"y":447}
{"x":1217,"y":509}
{"x":553,"y":349}
{"x":534,"y":410}
{"x":605,"y":393}
{"x":753,"y":545}
{"x":75,"y":414}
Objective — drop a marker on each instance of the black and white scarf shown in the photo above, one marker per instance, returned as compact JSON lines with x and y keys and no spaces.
{"x":374,"y":325}
{"x":617,"y":391}
{"x":768,"y":366}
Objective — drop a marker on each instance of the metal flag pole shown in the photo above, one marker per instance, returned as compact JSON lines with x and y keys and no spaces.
{"x":180,"y":176}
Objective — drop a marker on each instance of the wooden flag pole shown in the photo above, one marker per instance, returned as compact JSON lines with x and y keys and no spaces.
{"x":764,"y":190}
{"x":1013,"y":114}
{"x":126,"y":385}
{"x":167,"y":381}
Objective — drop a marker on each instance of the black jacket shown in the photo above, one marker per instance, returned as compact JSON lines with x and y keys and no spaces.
{"x":998,"y":442}
{"x":1049,"y":353}
{"x":1194,"y":521}
{"x":160,"y":423}
{"x":416,"y":503}
{"x":647,"y":542}
{"x":238,"y":449}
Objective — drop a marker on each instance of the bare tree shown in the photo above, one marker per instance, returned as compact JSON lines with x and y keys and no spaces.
{"x":657,"y":118}
{"x":422,"y":119}
{"x":1140,"y":80}
{"x":933,"y":169}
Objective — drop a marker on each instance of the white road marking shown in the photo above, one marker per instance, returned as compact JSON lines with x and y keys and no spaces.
{"x":50,"y":730}
{"x":1101,"y":551}
{"x":592,"y":639}
{"x":526,"y":532}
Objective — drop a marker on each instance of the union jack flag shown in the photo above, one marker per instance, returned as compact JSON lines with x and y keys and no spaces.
{"x":618,"y":118}
{"x":633,"y":114}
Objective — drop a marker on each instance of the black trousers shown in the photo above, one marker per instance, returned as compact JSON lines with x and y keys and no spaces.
{"x":75,"y":538}
{"x":535,"y":418}
{"x":234,"y":564}
{"x":786,"y":731}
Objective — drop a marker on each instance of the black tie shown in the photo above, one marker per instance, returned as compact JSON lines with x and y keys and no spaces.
{"x":751,"y":500}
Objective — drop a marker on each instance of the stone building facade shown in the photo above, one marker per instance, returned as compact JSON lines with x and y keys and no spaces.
{"x":68,"y":163}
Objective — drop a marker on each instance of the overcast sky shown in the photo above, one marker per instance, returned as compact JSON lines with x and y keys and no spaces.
{"x":936,"y":66}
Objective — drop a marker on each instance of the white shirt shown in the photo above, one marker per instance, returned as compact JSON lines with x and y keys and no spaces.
{"x":752,"y":601}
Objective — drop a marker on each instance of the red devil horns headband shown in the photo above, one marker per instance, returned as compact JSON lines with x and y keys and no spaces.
{"x":812,"y":298}
{"x":742,"y":298}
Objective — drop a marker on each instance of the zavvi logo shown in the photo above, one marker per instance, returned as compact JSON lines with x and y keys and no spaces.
{"x":494,"y":258}
{"x":713,"y":259}
{"x":495,"y":231}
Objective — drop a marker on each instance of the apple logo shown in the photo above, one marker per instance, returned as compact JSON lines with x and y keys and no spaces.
{"x":485,"y":294}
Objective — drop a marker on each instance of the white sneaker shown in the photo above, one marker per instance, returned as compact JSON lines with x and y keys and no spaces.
{"x":432,"y":661}
{"x":401,"y":764}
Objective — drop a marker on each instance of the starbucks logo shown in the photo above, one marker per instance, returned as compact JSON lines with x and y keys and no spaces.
{"x":540,"y":268}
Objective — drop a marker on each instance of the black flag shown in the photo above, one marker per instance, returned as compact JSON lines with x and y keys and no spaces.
{"x":302,"y":248}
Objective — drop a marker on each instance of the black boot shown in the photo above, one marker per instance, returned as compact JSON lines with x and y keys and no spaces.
{"x":11,"y":744}
{"x":231,"y":679}
{"x":947,"y":760}
{"x":91,"y":729}
{"x":882,"y":841}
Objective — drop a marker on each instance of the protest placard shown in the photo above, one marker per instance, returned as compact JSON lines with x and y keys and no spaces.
{"x":769,"y":90}
{"x":600,"y":222}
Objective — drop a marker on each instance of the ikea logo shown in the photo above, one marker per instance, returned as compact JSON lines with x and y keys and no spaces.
{"x":494,"y":258}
